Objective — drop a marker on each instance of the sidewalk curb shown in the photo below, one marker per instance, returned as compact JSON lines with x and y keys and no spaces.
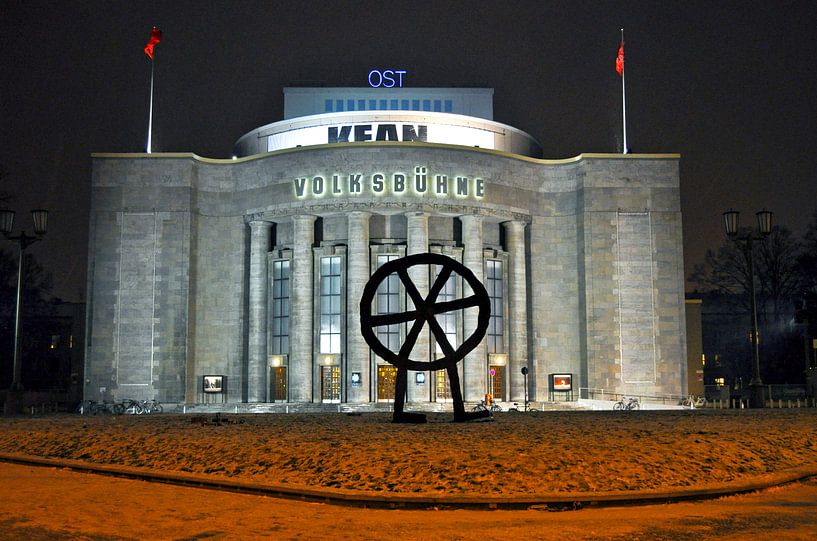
{"x":554,"y":500}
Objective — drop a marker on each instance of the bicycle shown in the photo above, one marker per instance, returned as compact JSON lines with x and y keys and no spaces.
{"x":482,"y":406}
{"x":151,"y":406}
{"x":693,"y":402}
{"x":516,"y":409}
{"x":627,"y":404}
{"x":132,"y":407}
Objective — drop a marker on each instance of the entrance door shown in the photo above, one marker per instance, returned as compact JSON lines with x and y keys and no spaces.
{"x":497,"y":381}
{"x":386,"y":374}
{"x":330,"y":383}
{"x":443,"y":387}
{"x":278,"y":383}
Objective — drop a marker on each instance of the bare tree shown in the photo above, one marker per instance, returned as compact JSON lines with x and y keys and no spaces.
{"x":777,"y":272}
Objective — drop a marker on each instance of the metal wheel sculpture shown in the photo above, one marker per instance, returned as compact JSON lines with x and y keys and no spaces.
{"x":424,"y":313}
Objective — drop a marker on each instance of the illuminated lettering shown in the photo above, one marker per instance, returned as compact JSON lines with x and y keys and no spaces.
{"x":420,"y":179}
{"x":442,"y":184}
{"x":386,"y":78}
{"x":462,"y":186}
{"x":419,"y":183}
{"x":317,"y":185}
{"x":354,"y":183}
{"x":377,"y":182}
{"x":399,"y":183}
{"x":300,"y":186}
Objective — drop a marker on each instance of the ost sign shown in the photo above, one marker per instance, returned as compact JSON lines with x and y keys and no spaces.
{"x":386,"y":78}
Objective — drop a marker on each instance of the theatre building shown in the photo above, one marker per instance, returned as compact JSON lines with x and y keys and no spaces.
{"x":239,"y":280}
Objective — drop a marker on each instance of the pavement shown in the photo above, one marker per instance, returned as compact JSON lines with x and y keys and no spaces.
{"x":50,"y":503}
{"x":559,"y":500}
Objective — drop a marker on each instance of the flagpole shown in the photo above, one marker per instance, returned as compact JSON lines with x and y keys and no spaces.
{"x":150,"y":114}
{"x":623,"y":101}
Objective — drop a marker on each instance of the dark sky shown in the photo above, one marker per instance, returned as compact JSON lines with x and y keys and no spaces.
{"x":731,"y":86}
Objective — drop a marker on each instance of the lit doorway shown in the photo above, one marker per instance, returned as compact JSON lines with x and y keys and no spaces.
{"x":386,"y":374}
{"x":278,"y":383}
{"x":497,"y":375}
{"x":330,"y":383}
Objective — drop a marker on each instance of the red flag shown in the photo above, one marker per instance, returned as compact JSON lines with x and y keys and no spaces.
{"x":155,"y":37}
{"x":620,"y":59}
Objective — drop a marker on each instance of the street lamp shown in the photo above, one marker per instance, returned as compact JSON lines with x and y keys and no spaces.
{"x":731,"y":220}
{"x":23,"y":241}
{"x":525,"y":374}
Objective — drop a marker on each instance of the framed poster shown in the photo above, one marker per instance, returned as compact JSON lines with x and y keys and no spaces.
{"x":561,"y":382}
{"x":213,"y":384}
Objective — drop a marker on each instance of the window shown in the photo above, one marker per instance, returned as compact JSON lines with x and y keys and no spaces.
{"x":493,"y":284}
{"x":330,"y":305}
{"x":327,"y":106}
{"x":388,"y":302}
{"x":449,"y":106}
{"x":280,"y":308}
{"x":447,"y":320}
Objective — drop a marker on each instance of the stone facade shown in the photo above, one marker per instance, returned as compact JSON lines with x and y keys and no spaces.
{"x":182,"y":253}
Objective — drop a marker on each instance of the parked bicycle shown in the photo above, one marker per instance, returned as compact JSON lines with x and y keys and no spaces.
{"x":526,"y":407}
{"x":693,"y":402}
{"x":482,"y":406}
{"x":627,"y":404}
{"x":91,"y":407}
{"x":151,"y":406}
{"x":132,"y":407}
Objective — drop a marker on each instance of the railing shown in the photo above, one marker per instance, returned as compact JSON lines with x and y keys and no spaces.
{"x":776,"y":396}
{"x":604,"y":394}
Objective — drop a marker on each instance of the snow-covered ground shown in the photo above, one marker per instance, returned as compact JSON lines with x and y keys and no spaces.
{"x":515,"y":453}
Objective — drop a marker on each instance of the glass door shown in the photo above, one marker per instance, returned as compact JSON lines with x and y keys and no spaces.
{"x":386,"y":374}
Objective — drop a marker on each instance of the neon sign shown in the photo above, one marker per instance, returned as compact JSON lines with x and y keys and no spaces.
{"x":385,"y":78}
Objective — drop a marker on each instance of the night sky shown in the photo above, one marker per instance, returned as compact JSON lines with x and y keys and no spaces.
{"x":731,"y":86}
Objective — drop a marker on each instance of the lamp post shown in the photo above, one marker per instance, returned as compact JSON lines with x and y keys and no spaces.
{"x":525,"y":374}
{"x":23,"y":241}
{"x":731,"y":219}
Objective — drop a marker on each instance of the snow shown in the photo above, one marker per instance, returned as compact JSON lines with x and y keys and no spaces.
{"x":513,"y":454}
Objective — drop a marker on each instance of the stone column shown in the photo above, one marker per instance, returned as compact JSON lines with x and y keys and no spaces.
{"x":518,"y":309}
{"x":474,"y":367}
{"x":257,"y":370}
{"x":357,"y":274}
{"x":301,"y":358}
{"x":417,"y":243}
